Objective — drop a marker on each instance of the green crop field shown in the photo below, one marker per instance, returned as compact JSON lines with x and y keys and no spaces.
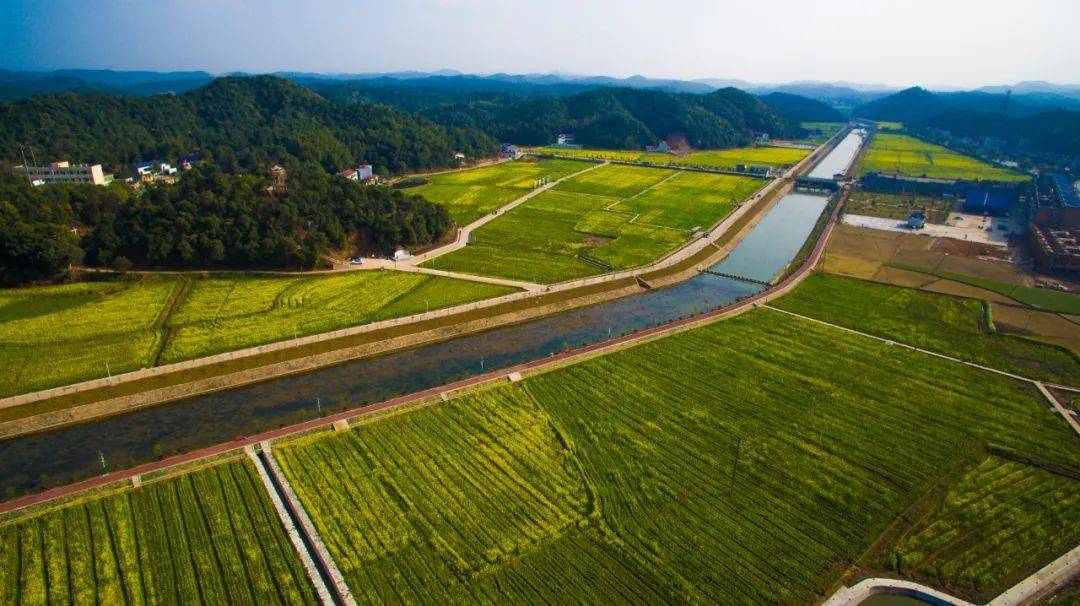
{"x":618,"y":216}
{"x":471,"y":194}
{"x":821,"y":131}
{"x":55,"y":335}
{"x":233,"y":313}
{"x":940,"y":323}
{"x":726,"y":159}
{"x":58,"y":335}
{"x":748,"y":462}
{"x":999,"y":516}
{"x":209,"y":537}
{"x":910,"y":156}
{"x":1042,"y":298}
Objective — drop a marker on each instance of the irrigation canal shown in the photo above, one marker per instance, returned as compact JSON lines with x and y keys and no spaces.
{"x":38,"y":461}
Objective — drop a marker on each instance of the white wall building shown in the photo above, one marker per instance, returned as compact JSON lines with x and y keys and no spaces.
{"x":64,"y":172}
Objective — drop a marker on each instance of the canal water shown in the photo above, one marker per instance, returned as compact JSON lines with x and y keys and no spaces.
{"x":893,"y":600}
{"x":841,"y":157}
{"x":59,"y":457}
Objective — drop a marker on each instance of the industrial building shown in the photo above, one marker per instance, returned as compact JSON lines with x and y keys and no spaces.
{"x":65,"y":172}
{"x":992,"y":202}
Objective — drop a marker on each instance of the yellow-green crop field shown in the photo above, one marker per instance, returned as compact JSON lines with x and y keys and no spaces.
{"x":726,"y":159}
{"x":613,"y":217}
{"x":901,"y":154}
{"x":57,"y":335}
{"x":471,"y":194}
{"x":209,"y":537}
{"x":749,"y":462}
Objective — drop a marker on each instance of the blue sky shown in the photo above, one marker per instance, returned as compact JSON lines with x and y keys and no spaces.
{"x":930,"y":42}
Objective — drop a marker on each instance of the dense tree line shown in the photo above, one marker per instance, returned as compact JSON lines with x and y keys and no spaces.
{"x":622,"y":118}
{"x":209,"y":219}
{"x":239,"y":123}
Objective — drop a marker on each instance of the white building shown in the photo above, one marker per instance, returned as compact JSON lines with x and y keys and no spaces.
{"x":661,"y":147}
{"x":64,"y":172}
{"x":364,"y":172}
{"x":564,"y":139}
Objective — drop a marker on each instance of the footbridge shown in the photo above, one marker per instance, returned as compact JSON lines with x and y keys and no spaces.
{"x":736,"y":277}
{"x":816,"y":184}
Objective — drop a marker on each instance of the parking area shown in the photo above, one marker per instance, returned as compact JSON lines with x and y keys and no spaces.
{"x":961,"y":226}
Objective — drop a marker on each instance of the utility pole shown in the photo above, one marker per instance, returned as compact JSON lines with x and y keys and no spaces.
{"x":318,"y":405}
{"x":26,"y":168}
{"x":101,"y":457}
{"x":108,"y":372}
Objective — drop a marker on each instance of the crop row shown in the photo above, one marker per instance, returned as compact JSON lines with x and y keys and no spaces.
{"x":208,"y":537}
{"x":749,"y":462}
{"x":1000,"y":515}
{"x":941,"y":323}
{"x":417,"y":507}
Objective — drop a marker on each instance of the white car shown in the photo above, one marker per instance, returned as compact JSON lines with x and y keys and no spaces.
{"x":356,"y":261}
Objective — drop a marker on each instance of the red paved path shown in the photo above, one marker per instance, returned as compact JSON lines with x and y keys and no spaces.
{"x":127,"y":474}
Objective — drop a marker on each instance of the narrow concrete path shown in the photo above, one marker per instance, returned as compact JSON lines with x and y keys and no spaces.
{"x":463,"y":234}
{"x":1043,"y":581}
{"x":320,"y":566}
{"x":1038,"y":384}
{"x":409,"y":267}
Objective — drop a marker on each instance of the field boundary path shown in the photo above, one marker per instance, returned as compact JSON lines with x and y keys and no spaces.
{"x":185,"y":385}
{"x":463,"y":234}
{"x":1038,"y":384}
{"x":320,"y":566}
{"x":1041,"y":582}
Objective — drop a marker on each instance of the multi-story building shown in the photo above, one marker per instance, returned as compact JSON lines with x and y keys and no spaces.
{"x":64,"y":172}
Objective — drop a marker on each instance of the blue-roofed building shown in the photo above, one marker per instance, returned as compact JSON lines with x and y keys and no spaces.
{"x":987,"y":202}
{"x":1065,"y":191}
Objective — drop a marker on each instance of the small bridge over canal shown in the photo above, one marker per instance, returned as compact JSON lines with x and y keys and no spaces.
{"x":736,"y":277}
{"x":816,"y":184}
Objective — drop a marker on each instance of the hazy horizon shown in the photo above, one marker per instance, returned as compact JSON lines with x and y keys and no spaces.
{"x":942,"y":44}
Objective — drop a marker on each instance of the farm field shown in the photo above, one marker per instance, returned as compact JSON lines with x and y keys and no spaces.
{"x":613,"y":217}
{"x":471,"y":194}
{"x":821,"y":131}
{"x":892,"y":206}
{"x":892,"y":154}
{"x":718,"y":158}
{"x":52,"y":335}
{"x":940,"y":323}
{"x":58,"y":335}
{"x":1041,"y":298}
{"x":999,"y":514}
{"x":210,"y":536}
{"x":664,"y":473}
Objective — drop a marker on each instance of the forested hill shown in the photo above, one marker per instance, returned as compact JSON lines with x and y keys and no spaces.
{"x":241,"y":123}
{"x":802,"y":109}
{"x":1020,"y":121}
{"x":622,"y":118}
{"x":209,"y":219}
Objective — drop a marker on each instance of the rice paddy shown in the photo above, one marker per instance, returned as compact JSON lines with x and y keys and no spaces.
{"x":609,"y":218}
